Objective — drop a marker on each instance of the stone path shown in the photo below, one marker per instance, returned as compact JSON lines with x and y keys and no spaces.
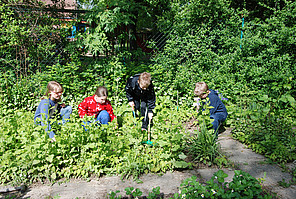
{"x":256,"y":165}
{"x":243,"y":158}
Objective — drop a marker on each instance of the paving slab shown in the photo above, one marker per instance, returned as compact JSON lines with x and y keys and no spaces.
{"x":168,"y":182}
{"x":256,"y":165}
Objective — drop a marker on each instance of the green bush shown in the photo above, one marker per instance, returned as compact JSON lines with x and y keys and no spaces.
{"x":242,"y":185}
{"x":266,"y":126}
{"x":27,"y":155}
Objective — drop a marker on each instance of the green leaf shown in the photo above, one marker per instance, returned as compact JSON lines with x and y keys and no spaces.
{"x":50,"y":158}
{"x":53,"y":176}
{"x":35,"y":162}
{"x":287,"y":86}
{"x":180,"y":164}
{"x":182,"y":156}
{"x":283,"y":98}
{"x":291,"y":100}
{"x":264,"y":98}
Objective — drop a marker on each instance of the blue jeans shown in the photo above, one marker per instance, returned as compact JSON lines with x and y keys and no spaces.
{"x":218,"y":119}
{"x":103,"y":118}
{"x":65,"y":114}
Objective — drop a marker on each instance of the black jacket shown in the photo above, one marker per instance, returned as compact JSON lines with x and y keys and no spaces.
{"x":134,"y":92}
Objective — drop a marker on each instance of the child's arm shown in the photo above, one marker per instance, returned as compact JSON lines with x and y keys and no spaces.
{"x":151,"y":99}
{"x":109,"y":109}
{"x":44,"y":111}
{"x":197,"y":103}
{"x":82,"y":108}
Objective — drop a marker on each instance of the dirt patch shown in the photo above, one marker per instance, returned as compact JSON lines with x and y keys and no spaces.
{"x":191,"y":125}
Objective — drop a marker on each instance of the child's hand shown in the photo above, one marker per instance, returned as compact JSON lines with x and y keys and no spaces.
{"x":150,"y":116}
{"x":197,"y":108}
{"x":197,"y":103}
{"x":132,"y":104}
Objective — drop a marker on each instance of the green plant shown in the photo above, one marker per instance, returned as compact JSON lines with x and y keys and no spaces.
{"x":135,"y":193}
{"x":258,"y":125}
{"x":242,"y":185}
{"x":30,"y":37}
{"x":155,"y":193}
{"x":76,"y":153}
{"x":203,"y":144}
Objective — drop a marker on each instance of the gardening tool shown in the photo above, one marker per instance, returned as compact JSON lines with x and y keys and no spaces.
{"x":134,"y":114}
{"x":149,"y":128}
{"x":149,"y":142}
{"x":177,"y":100}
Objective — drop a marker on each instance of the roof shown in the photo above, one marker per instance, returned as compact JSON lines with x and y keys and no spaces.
{"x":68,"y":4}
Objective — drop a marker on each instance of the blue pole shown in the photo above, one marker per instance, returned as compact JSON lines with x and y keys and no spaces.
{"x":243,"y":20}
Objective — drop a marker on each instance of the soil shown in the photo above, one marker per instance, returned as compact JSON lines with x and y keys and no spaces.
{"x":169,"y":182}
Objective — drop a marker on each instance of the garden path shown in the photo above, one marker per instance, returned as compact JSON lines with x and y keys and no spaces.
{"x":242,"y":157}
{"x":255,"y":164}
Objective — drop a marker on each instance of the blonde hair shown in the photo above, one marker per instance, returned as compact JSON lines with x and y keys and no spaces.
{"x":101,"y":91}
{"x":53,"y":86}
{"x":145,"y":79}
{"x":200,"y":88}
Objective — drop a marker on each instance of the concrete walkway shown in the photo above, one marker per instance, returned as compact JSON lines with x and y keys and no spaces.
{"x":256,"y":165}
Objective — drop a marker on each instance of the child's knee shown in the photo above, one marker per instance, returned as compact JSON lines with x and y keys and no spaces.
{"x":69,"y":109}
{"x":104,"y":117}
{"x":104,"y":114}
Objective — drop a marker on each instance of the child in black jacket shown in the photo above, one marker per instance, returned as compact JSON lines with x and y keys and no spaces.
{"x":141,"y":96}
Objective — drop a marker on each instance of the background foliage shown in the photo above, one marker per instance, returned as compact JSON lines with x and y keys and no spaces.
{"x":244,"y":50}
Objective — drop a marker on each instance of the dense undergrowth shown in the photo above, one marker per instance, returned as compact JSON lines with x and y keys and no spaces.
{"x":255,"y":72}
{"x":27,"y":155}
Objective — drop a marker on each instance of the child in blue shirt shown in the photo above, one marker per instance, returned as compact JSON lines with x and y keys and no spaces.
{"x":218,"y":112}
{"x":49,"y":107}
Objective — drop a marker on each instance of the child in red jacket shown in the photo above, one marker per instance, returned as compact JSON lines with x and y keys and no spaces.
{"x":97,"y":106}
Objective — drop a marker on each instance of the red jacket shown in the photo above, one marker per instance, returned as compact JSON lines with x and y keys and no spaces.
{"x":90,"y":107}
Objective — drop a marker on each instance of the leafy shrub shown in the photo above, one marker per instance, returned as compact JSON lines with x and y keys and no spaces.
{"x":18,"y":93}
{"x":267,"y":132}
{"x":30,"y":37}
{"x":27,"y":155}
{"x":214,"y":52}
{"x":242,"y":185}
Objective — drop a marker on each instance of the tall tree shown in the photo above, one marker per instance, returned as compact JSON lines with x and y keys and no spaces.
{"x":109,"y":15}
